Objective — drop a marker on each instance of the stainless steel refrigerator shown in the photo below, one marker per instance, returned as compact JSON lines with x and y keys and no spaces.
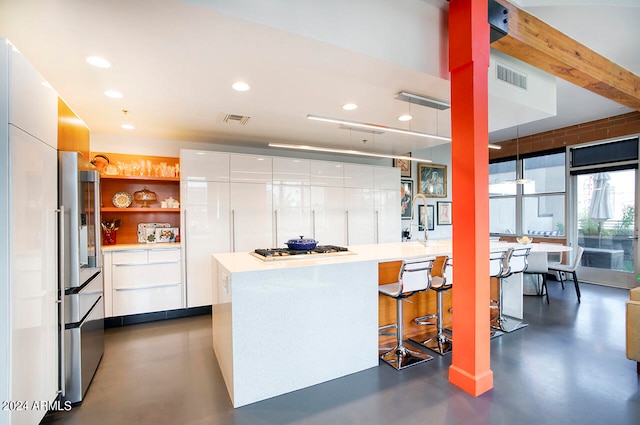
{"x":81,"y":278}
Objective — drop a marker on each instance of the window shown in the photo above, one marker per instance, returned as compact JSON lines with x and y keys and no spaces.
{"x":527,"y":196}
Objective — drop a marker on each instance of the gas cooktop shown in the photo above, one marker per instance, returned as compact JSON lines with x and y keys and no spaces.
{"x":286,"y":253}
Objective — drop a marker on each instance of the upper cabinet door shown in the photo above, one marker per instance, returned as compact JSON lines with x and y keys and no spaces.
{"x":33,"y":103}
{"x":386,"y":177}
{"x":251,"y":168}
{"x":204,"y":165}
{"x":356,"y":175}
{"x":325,"y":173}
{"x":290,"y":171}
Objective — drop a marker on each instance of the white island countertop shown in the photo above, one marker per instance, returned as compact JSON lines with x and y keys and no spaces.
{"x":245,"y":262}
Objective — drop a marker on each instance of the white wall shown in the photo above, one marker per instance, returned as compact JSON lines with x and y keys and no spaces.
{"x":411,"y":33}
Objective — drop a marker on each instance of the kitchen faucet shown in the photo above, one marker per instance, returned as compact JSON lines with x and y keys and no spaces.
{"x":426,"y":225}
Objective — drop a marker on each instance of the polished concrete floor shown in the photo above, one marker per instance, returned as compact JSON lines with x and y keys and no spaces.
{"x":567,"y":367}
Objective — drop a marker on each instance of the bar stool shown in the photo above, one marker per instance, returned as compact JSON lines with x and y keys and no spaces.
{"x":414,"y":277}
{"x":441,"y":280}
{"x":517,"y":263}
{"x":498,"y":264}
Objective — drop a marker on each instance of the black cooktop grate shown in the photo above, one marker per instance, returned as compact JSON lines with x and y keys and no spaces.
{"x":283,"y":252}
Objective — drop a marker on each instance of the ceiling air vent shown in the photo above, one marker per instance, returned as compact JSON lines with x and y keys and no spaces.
{"x":511,"y":76}
{"x":233,"y":118}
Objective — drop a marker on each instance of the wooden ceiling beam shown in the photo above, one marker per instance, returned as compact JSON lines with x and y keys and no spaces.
{"x":537,"y":43}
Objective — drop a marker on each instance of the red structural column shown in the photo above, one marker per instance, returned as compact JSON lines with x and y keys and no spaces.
{"x":469,"y":63}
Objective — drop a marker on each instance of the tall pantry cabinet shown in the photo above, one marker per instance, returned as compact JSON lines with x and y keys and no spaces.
{"x":28,"y":246}
{"x":204,"y":194}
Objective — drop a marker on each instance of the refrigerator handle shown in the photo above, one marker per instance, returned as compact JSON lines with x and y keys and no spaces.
{"x":98,"y":220}
{"x":60,"y":302}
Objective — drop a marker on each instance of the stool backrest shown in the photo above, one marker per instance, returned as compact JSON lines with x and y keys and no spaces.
{"x":441,"y":272}
{"x":518,"y":262}
{"x":499,"y":263}
{"x":415,"y":275}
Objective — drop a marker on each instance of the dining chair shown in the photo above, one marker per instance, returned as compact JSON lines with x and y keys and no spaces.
{"x":563,"y":269}
{"x":537,"y":265}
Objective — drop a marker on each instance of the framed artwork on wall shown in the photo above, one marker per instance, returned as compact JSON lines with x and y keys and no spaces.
{"x":403,"y":165}
{"x":444,"y":212}
{"x":432,"y":180}
{"x":428,"y":218}
{"x":406,"y":198}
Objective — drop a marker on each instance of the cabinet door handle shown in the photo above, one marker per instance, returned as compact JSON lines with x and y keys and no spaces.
{"x":233,"y":230}
{"x":377,"y":226}
{"x":275,"y":217}
{"x":185,"y":265}
{"x":313,"y":223}
{"x":347,"y":224}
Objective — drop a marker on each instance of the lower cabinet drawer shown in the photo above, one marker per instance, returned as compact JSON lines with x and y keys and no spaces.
{"x":145,"y":300}
{"x":136,"y":275}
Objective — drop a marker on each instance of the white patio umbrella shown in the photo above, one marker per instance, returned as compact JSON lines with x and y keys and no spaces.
{"x":600,"y":208}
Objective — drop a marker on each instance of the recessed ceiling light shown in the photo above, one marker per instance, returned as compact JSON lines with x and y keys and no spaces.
{"x":99,"y":62}
{"x":128,"y":127}
{"x":349,"y":106}
{"x":405,"y":117}
{"x":240,"y":86}
{"x":114,"y":94}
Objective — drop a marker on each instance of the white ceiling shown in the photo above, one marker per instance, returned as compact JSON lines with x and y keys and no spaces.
{"x":175,"y":60}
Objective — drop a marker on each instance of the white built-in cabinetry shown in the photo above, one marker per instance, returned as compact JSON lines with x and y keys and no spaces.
{"x":142,"y":280}
{"x":205,"y":219}
{"x":359,"y":204}
{"x":28,"y":246}
{"x":239,"y":202}
{"x":387,"y":204}
{"x":251,"y":202}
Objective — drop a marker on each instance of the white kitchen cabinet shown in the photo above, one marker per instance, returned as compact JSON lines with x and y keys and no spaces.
{"x":28,"y":223}
{"x":205,"y":230}
{"x":143,"y":280}
{"x":387,"y":204}
{"x":387,"y":210}
{"x":357,"y":175}
{"x":34,"y":105}
{"x":386,"y":178}
{"x":328,"y":215}
{"x":205,"y":219}
{"x":204,"y":166}
{"x":326,"y":173}
{"x":251,"y":168}
{"x":360,"y":215}
{"x":292,"y":212}
{"x":292,"y":171}
{"x":251,"y":216}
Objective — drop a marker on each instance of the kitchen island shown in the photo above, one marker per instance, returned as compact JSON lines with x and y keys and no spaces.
{"x":280,"y":326}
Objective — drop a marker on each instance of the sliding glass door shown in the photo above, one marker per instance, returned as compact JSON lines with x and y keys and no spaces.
{"x":604,"y":211}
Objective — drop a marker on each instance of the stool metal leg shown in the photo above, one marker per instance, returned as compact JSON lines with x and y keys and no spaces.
{"x":400,"y":357}
{"x":440,"y":342}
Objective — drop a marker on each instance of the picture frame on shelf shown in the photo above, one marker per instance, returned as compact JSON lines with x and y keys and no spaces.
{"x":404,"y":166}
{"x":406,"y":199}
{"x":432,"y":180}
{"x":444,"y":213}
{"x":428,"y":217}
